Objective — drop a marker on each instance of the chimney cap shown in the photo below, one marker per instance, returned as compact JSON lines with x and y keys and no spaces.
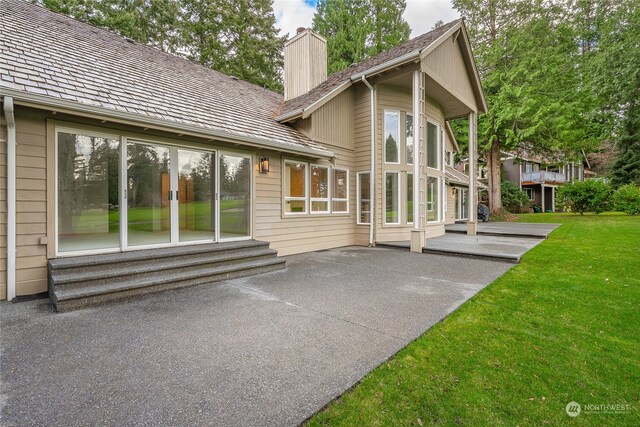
{"x":300,"y":29}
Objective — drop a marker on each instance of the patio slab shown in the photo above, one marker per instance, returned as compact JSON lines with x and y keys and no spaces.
{"x":504,"y":248}
{"x":264,"y":350}
{"x":514,"y":229}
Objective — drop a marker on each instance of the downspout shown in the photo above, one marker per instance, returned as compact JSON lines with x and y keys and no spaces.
{"x":11,"y":197}
{"x":372,"y":176}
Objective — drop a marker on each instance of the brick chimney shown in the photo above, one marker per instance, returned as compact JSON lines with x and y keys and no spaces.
{"x":305,"y":63}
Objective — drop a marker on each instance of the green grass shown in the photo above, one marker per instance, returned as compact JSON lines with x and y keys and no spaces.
{"x":563,"y":325}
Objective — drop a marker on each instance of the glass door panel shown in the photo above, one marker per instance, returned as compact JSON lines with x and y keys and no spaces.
{"x":149,"y":194}
{"x":196,"y":195}
{"x":88,"y":189}
{"x":235,"y":196}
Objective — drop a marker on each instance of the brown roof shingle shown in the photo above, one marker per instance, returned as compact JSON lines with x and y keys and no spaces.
{"x":340,"y":77}
{"x":47,"y":54}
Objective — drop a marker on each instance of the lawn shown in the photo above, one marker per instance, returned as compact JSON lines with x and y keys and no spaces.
{"x":562,"y":326}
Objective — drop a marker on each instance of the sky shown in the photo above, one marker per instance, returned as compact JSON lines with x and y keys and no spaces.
{"x":420,"y":14}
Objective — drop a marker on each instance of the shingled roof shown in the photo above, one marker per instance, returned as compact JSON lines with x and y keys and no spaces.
{"x":341,"y":77}
{"x":50,"y":58}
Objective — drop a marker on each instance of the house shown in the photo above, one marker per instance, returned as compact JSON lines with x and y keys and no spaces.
{"x":539,"y":177}
{"x":117,"y":153}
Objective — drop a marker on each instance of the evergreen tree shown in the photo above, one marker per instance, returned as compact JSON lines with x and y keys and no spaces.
{"x":357,"y":29}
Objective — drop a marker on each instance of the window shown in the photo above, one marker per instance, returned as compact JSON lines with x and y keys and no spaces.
{"x":364,"y":200}
{"x":433,"y":146}
{"x":319,"y":189}
{"x":87,"y":191}
{"x":391,"y":137}
{"x":409,"y":198}
{"x":392,"y":198}
{"x":340,"y":195}
{"x":409,"y":138}
{"x":295,"y":187}
{"x":530,"y":193}
{"x":433,"y":198}
{"x":528,"y":167}
{"x":461,"y":203}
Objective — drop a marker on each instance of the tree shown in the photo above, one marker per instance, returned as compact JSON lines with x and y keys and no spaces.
{"x":358,"y":29}
{"x":527,"y":58}
{"x":237,"y":38}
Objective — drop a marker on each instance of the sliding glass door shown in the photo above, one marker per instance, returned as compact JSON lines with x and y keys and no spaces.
{"x":196,"y":195}
{"x":115,"y":194}
{"x":149,"y":194}
{"x":235,"y":196}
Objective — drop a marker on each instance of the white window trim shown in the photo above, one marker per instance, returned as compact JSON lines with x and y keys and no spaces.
{"x":305,"y":199}
{"x":359,"y":198}
{"x":397,"y":173}
{"x":439,"y":146}
{"x":405,"y":142}
{"x":530,"y":194}
{"x":461,"y":214}
{"x":384,"y":140}
{"x":338,"y":199}
{"x":438,"y":199}
{"x":320,"y":199}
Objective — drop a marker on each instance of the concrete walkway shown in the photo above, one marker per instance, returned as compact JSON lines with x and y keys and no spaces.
{"x":264,"y":350}
{"x":514,"y":229}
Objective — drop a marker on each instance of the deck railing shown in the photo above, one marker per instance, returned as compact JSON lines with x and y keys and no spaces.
{"x":543,"y":176}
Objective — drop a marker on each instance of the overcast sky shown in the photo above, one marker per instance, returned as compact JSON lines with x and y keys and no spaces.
{"x":420,"y":14}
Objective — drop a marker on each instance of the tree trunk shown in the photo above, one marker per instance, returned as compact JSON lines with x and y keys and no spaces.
{"x":494,"y":168}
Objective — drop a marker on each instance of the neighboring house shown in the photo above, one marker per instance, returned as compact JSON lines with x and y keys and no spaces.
{"x":540,"y":177}
{"x":111,"y":146}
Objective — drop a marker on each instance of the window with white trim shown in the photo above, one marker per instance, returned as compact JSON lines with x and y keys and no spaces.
{"x":319,"y":189}
{"x":409,"y":138}
{"x":295,"y":187}
{"x":340,"y":193}
{"x":530,"y":193}
{"x":409,"y":198}
{"x":433,"y":146}
{"x":363,"y":188}
{"x":392,"y":198}
{"x":391,"y":137}
{"x":433,"y":198}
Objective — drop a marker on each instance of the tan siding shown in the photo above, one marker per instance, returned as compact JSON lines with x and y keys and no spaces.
{"x":362,"y":144}
{"x":448,"y":63}
{"x":332,"y":124}
{"x":305,"y":64}
{"x":31,"y":202}
{"x":450,"y":215}
{"x":303,"y":233}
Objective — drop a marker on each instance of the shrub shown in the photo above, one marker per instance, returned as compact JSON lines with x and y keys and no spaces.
{"x":627,"y":199}
{"x":586,"y":196}
{"x":513,"y":198}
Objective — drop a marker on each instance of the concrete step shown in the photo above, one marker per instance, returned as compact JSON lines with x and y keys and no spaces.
{"x":151,"y":254}
{"x":81,"y":297}
{"x":92,"y":280}
{"x":100,"y":274}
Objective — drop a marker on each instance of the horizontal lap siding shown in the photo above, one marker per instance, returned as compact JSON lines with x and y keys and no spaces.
{"x":450,"y":215}
{"x":362,"y":141}
{"x":31,"y":202}
{"x":307,"y":232}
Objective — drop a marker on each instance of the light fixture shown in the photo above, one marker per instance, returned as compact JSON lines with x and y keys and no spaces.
{"x":264,"y":165}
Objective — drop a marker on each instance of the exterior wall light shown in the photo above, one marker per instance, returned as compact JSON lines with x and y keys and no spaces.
{"x":264,"y":165}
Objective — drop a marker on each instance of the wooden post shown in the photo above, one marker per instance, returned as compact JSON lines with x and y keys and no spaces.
{"x":417,"y":234}
{"x":472,"y":223}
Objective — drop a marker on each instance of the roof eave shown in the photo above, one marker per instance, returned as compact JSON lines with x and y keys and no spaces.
{"x":55,"y":104}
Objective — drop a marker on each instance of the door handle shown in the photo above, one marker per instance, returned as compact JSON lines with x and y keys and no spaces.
{"x":170,"y":195}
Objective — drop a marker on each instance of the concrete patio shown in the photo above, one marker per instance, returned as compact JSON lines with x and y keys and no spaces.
{"x":264,"y":350}
{"x":513,"y":229}
{"x":504,"y":241}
